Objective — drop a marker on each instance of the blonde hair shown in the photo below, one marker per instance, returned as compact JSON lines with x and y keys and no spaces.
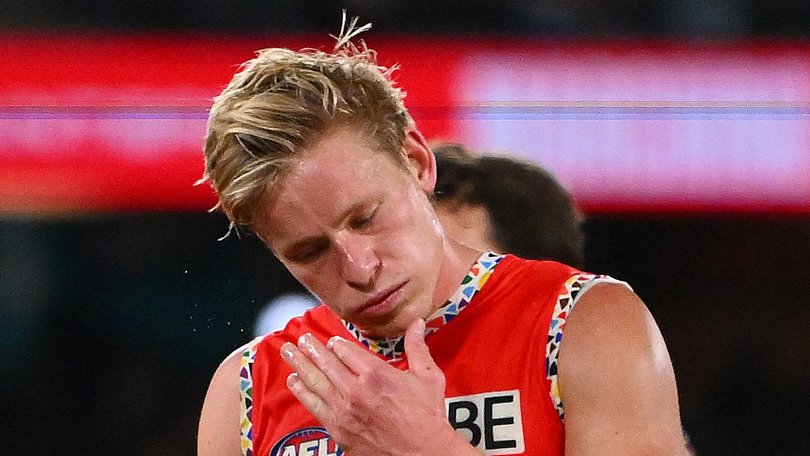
{"x":282,"y":101}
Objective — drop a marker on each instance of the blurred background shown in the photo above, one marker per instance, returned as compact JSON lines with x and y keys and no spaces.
{"x":681,"y":127}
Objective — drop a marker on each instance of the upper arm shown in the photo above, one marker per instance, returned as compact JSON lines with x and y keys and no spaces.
{"x":219,"y":431}
{"x":616,"y":378}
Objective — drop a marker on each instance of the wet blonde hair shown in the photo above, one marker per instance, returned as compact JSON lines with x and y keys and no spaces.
{"x":282,"y":101}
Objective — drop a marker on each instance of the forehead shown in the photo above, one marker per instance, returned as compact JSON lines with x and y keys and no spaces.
{"x":336,"y":156}
{"x":330,"y":177}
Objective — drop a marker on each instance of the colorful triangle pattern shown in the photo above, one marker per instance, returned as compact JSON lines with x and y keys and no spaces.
{"x":566,"y":299}
{"x":394,"y":348}
{"x":246,"y":393}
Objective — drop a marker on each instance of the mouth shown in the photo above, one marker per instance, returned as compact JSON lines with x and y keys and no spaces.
{"x":382,"y":302}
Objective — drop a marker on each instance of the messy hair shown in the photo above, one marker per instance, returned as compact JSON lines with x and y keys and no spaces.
{"x":533,"y":215}
{"x":282,"y":101}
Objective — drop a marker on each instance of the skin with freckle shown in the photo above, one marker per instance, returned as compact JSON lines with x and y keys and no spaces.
{"x":441,"y":348}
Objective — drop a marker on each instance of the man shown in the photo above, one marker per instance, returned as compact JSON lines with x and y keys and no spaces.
{"x":488,"y":202}
{"x":424,"y":346}
{"x":500,"y":203}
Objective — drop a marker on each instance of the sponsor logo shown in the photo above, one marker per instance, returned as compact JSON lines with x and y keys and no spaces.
{"x":311,"y":441}
{"x":491,"y":422}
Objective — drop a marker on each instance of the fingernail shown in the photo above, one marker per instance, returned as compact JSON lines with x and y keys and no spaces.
{"x":293,"y":382}
{"x":287,"y":351}
{"x":331,"y":342}
{"x":305,"y":343}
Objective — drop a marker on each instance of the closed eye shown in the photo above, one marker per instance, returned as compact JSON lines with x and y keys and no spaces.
{"x":364,"y":220}
{"x":308,"y":252}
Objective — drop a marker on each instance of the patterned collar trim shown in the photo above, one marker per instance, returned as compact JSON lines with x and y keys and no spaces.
{"x":394,"y":348}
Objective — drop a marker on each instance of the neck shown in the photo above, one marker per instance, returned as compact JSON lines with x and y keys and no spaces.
{"x":473,"y":281}
{"x":456,"y":263}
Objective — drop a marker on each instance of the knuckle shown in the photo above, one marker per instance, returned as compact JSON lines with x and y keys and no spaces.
{"x":315,"y":383}
{"x":317,"y":408}
{"x":369,"y":379}
{"x":353,"y":398}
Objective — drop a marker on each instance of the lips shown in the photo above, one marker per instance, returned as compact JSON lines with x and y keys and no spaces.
{"x":382,"y":302}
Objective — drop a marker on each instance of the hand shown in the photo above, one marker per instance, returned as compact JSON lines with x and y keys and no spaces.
{"x":370,"y":407}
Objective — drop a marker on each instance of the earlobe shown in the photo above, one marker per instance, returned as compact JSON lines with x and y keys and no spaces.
{"x":421,"y":160}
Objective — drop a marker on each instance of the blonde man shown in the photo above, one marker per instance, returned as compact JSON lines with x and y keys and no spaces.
{"x":424,"y":346}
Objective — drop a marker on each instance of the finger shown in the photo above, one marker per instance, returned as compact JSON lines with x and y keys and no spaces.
{"x":308,"y":398}
{"x":309,"y":374}
{"x":334,"y":369}
{"x":356,"y":358}
{"x":419,"y":358}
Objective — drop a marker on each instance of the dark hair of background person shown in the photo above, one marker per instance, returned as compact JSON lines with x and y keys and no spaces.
{"x":532,"y":214}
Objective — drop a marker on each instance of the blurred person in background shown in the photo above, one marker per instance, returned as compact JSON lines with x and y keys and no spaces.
{"x":504,"y":204}
{"x":316,"y":153}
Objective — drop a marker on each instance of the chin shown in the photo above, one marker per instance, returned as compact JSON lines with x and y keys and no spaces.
{"x":393,"y":326}
{"x":380,"y":331}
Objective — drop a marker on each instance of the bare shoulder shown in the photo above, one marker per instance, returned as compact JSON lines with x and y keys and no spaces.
{"x":616,"y":378}
{"x":220,"y":418}
{"x":612,"y":312}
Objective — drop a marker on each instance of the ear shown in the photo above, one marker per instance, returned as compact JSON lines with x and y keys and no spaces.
{"x":420,"y":159}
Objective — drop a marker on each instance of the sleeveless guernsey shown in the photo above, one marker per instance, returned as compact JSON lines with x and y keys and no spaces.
{"x":496,"y":340}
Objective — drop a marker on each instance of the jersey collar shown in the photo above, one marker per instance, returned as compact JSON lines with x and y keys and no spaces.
{"x":394,"y":348}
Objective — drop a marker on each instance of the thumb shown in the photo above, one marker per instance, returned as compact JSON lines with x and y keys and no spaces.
{"x":419,"y":358}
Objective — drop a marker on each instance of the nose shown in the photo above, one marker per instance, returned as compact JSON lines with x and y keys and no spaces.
{"x":358,"y":261}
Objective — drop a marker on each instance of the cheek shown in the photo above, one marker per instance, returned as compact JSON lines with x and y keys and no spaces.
{"x":448,"y":223}
{"x":413,"y":225}
{"x":420,"y":241}
{"x":316,"y":280}
{"x":432,"y":223}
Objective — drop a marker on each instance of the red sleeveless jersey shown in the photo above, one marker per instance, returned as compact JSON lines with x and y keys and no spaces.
{"x":498,"y":356}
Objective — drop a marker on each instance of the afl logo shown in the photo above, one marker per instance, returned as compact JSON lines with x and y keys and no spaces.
{"x":311,"y":441}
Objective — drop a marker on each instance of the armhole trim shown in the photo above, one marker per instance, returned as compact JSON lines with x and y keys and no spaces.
{"x":574,"y":287}
{"x":246,"y":396}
